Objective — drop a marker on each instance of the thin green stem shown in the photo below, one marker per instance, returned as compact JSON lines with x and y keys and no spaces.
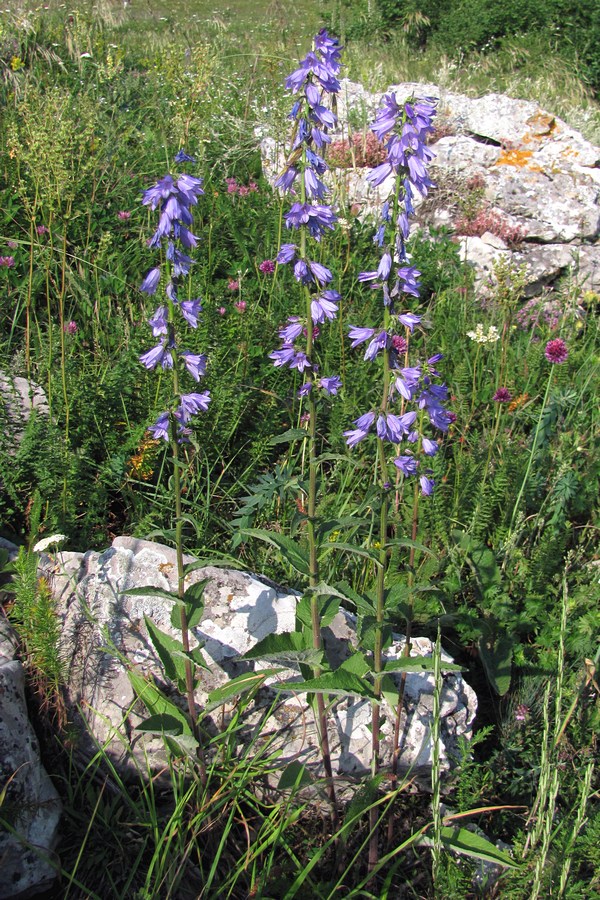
{"x":532,"y":453}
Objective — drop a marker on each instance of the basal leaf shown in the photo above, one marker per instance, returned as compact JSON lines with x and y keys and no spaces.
{"x":294,"y":776}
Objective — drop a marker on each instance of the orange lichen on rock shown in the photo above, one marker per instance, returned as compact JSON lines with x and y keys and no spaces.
{"x":542,"y":123}
{"x":522,"y":159}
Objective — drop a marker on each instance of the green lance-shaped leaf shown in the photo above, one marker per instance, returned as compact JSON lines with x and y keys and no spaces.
{"x":496,"y":656}
{"x":218,"y":562}
{"x":163,"y":723}
{"x":292,"y":647}
{"x":249,"y":681}
{"x":155,"y":701}
{"x":171,"y":653}
{"x":465,"y":842}
{"x":422,"y":664}
{"x":364,"y":603}
{"x":341,"y":682}
{"x":289,"y":550}
{"x":193,"y":603}
{"x":328,"y":607}
{"x":150,"y":591}
{"x":292,"y":434}
{"x":373,"y":555}
{"x":358,"y":664}
{"x":294,"y":776}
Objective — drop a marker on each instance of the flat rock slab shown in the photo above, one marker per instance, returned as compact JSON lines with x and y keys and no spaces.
{"x":104,"y":632}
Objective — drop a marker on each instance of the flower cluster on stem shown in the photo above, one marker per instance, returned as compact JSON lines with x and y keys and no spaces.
{"x":173,"y":198}
{"x":314,"y":81}
{"x":415,"y":389}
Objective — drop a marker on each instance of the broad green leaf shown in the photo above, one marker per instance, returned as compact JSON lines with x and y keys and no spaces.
{"x":340,"y":683}
{"x":496,"y":656}
{"x":288,"y":548}
{"x":365,"y":604}
{"x":405,"y":542}
{"x":151,"y":591}
{"x":290,"y":647}
{"x":165,"y":646}
{"x":373,"y":555}
{"x":292,"y":434}
{"x":463,"y":841}
{"x":367,"y":629}
{"x":240,"y":685}
{"x":224,"y":562}
{"x":295,"y":775}
{"x":328,"y":609}
{"x":418,"y":664}
{"x":155,"y":701}
{"x":161,"y":724}
{"x":357,"y":664}
{"x":192,"y":615}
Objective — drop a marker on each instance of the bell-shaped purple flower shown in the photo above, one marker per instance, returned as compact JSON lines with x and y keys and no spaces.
{"x":150,"y":282}
{"x":160,"y":429}
{"x":195,"y":364}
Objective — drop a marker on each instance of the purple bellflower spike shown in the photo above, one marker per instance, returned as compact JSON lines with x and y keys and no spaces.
{"x":321,"y":308}
{"x":292,"y":330}
{"x":360,"y":335}
{"x":157,"y":356}
{"x":182,"y":156}
{"x":286,"y":254}
{"x":427,"y":485}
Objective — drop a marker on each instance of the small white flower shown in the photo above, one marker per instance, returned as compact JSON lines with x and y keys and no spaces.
{"x":47,"y":542}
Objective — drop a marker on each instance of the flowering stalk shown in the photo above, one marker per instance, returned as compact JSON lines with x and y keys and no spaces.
{"x":313,"y":82}
{"x":556,"y":352}
{"x":174,"y":199}
{"x":403,"y":129}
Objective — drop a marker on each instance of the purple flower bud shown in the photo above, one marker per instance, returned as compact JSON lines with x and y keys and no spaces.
{"x":427,"y":485}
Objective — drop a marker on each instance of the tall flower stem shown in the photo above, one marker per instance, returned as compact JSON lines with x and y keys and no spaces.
{"x":185,"y":633}
{"x":532,"y":453}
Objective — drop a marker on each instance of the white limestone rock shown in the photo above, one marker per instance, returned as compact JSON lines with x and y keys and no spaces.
{"x":31,"y":804}
{"x":240,"y":610}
